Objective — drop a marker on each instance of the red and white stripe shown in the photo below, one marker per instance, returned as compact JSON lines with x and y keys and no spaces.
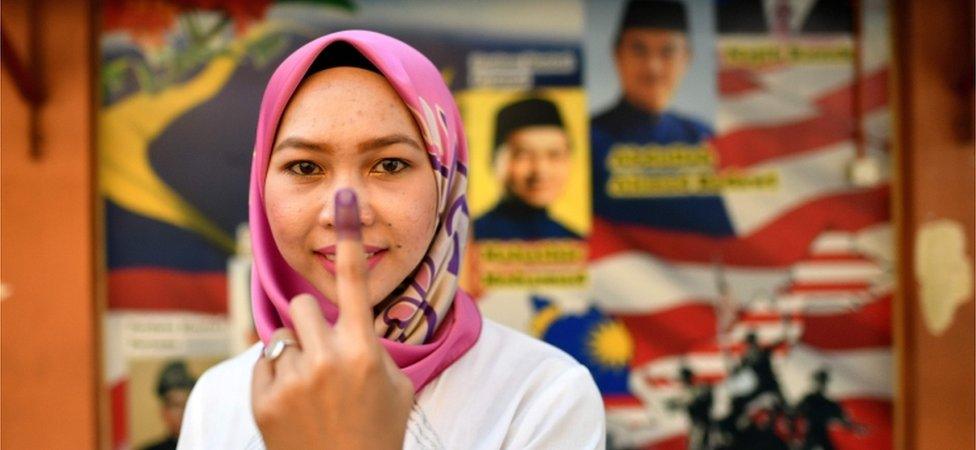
{"x":810,"y":263}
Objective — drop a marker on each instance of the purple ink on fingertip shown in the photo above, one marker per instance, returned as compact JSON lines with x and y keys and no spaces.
{"x":347,"y":214}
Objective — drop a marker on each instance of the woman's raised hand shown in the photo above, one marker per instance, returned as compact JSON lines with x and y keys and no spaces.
{"x":337,"y":388}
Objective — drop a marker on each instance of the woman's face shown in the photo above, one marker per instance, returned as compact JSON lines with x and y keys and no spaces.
{"x":346,"y":127}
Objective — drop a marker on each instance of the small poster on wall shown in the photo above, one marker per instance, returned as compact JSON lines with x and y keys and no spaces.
{"x":529,"y":187}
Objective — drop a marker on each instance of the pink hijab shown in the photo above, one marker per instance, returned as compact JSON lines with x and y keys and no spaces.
{"x":432,"y":323}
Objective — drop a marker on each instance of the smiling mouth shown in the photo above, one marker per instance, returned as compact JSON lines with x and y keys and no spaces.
{"x":327,"y":257}
{"x":332,"y":256}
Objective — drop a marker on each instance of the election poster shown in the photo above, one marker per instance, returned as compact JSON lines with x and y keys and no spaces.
{"x":741,"y":245}
{"x":529,"y":187}
{"x":689,"y":197}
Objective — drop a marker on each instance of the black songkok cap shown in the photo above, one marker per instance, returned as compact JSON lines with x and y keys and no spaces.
{"x":525,"y":113}
{"x":821,"y":376}
{"x":174,"y":376}
{"x":664,"y":15}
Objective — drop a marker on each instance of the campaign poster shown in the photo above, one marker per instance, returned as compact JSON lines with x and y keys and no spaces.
{"x":167,"y":383}
{"x":733,"y":208}
{"x":529,"y":164}
{"x":741,"y":247}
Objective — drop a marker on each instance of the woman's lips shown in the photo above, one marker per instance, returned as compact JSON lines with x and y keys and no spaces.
{"x":327,"y":255}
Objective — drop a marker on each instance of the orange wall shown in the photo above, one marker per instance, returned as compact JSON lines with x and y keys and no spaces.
{"x":48,"y":372}
{"x":934,"y":42}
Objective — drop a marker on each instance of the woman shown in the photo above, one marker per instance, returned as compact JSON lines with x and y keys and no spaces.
{"x":358,"y":221}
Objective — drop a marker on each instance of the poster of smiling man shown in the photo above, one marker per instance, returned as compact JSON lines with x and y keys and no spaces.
{"x":741,"y":235}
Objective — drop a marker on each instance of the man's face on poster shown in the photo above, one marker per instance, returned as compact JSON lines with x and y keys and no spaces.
{"x":650,"y":65}
{"x":537,"y":164}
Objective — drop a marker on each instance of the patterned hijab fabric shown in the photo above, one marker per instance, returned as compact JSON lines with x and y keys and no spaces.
{"x":431,"y":323}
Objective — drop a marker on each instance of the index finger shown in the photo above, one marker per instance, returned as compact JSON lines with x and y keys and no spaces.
{"x":355,"y":312}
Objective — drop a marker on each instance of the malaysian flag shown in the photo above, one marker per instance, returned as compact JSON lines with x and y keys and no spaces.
{"x":806,"y":275}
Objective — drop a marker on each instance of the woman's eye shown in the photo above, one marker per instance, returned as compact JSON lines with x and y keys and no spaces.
{"x":390,"y":165}
{"x":304,"y":168}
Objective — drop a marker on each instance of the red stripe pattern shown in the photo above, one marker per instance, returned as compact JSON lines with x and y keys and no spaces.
{"x":158,"y":289}
{"x":849,"y":211}
{"x":834,"y":300}
{"x":834,"y":123}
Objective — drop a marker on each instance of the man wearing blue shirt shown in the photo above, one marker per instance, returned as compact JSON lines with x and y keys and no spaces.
{"x":652,"y":54}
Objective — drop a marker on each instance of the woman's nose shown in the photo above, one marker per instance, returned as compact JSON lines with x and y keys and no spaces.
{"x":366,"y":213}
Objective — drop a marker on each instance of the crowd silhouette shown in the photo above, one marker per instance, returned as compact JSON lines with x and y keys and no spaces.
{"x":759,"y":416}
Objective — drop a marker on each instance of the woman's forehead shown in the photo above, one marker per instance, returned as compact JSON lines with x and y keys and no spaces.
{"x":345,"y":102}
{"x":346,"y":83}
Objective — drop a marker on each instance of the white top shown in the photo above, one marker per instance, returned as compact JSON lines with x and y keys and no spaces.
{"x":508,"y":391}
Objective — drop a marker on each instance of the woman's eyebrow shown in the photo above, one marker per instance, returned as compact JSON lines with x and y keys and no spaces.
{"x":386,"y":141}
{"x":299,"y":143}
{"x":368,"y":145}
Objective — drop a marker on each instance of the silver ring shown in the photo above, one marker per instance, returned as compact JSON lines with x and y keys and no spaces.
{"x":276,"y":348}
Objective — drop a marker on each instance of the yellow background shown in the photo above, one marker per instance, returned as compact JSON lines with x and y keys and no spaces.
{"x":478,"y":109}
